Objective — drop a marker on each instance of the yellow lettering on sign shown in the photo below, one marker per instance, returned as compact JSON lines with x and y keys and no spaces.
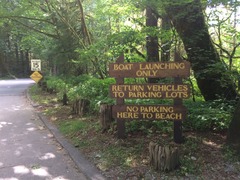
{"x":132,"y":109}
{"x":172,"y":116}
{"x":144,"y":94}
{"x":127,"y":115}
{"x":167,"y":87}
{"x":127,"y":88}
{"x":159,"y":66}
{"x":141,"y":73}
{"x":176,"y":94}
{"x":121,"y":67}
{"x":156,"y":109}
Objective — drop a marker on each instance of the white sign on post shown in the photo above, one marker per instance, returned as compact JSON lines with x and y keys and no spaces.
{"x":35,"y":65}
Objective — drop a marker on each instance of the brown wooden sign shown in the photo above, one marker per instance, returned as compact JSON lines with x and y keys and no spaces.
{"x":150,"y":91}
{"x":177,"y":112}
{"x":150,"y":69}
{"x":149,"y":112}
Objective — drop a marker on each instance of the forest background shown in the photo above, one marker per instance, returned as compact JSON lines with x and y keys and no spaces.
{"x":76,"y":40}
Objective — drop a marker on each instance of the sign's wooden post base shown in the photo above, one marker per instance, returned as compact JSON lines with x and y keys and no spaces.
{"x":164,"y":157}
{"x":105,"y":116}
{"x":121,"y":129}
{"x":178,"y":137}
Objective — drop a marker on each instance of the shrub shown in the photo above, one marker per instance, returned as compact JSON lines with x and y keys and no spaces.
{"x":205,"y":116}
{"x":202,"y":116}
{"x":95,"y":90}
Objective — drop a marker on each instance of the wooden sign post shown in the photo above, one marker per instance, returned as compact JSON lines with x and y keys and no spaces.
{"x":120,"y":101}
{"x":177,"y":129}
{"x":177,"y":91}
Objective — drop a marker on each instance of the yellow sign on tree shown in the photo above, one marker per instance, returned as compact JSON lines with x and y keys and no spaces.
{"x":36,"y":76}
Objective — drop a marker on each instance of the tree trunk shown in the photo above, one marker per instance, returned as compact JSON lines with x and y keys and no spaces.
{"x":17,"y":58}
{"x":81,"y":107}
{"x":21,"y":71}
{"x":209,"y":71}
{"x":152,"y":41}
{"x":233,"y":136}
{"x":3,"y":69}
{"x":166,"y":44}
{"x":27,"y":71}
{"x":65,"y":99}
{"x":86,"y":34}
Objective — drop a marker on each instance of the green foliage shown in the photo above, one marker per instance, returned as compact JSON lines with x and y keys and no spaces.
{"x":149,"y":128}
{"x":188,"y":160}
{"x":231,"y":154}
{"x":202,"y":116}
{"x":205,"y":116}
{"x":95,"y":90}
{"x":72,"y":127}
{"x":56,"y":84}
{"x":82,"y":87}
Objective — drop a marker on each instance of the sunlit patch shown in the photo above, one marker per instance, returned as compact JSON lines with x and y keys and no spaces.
{"x":29,"y":145}
{"x":50,"y":135}
{"x":17,"y":153}
{"x":1,"y":164}
{"x":47,"y":156}
{"x":3,"y":123}
{"x":211,"y":143}
{"x":16,"y":108}
{"x":31,"y":129}
{"x":59,"y":178}
{"x":40,"y":172}
{"x":4,"y":140}
{"x":21,"y":170}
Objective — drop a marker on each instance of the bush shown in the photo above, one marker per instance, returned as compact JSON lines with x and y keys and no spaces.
{"x":202,"y":116}
{"x":95,"y":90}
{"x":205,"y":116}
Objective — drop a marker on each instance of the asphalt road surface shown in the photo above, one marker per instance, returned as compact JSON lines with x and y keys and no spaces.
{"x":28,"y":150}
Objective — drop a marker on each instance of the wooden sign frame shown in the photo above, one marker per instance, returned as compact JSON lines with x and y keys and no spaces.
{"x":177,"y":112}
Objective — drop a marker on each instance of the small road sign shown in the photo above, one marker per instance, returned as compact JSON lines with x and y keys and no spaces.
{"x":36,"y":76}
{"x":35,"y":65}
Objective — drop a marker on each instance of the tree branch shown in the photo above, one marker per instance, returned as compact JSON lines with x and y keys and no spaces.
{"x":28,"y":18}
{"x":34,"y":29}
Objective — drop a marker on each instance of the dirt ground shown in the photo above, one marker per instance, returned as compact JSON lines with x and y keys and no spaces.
{"x":203,"y":155}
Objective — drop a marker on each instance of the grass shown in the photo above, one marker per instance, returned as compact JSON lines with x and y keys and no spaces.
{"x":37,"y":96}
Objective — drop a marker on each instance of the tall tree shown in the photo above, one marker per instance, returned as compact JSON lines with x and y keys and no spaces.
{"x":210,"y":73}
{"x":3,"y":69}
{"x":233,"y":136}
{"x":165,"y":41}
{"x":152,"y":40}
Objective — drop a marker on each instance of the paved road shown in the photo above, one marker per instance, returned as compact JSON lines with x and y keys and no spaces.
{"x":28,"y":150}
